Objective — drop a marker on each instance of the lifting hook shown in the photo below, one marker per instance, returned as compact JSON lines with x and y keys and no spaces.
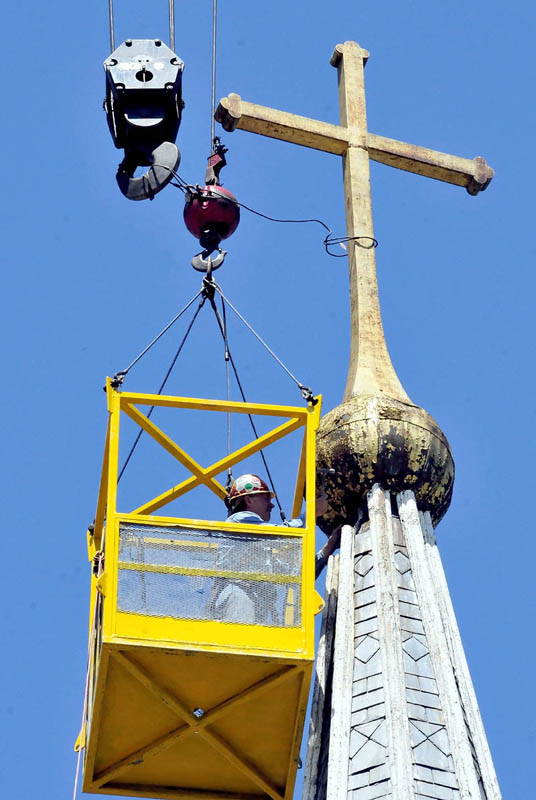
{"x":163,"y":161}
{"x":203,"y":262}
{"x":143,"y":108}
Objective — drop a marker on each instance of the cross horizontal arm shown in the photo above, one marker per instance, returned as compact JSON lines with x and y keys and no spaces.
{"x":474,"y":173}
{"x":233,"y":112}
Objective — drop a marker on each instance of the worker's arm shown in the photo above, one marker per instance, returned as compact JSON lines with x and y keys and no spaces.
{"x":324,"y":553}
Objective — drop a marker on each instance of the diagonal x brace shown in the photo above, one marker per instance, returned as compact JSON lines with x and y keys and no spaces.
{"x":173,"y":449}
{"x":192,"y":724}
{"x":219,"y":466}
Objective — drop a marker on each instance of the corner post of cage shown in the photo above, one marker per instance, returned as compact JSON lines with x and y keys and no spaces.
{"x":100,"y":513}
{"x":109,"y":577}
{"x":114,"y":409}
{"x":300,"y":478}
{"x":313,"y":420}
{"x":311,"y":425}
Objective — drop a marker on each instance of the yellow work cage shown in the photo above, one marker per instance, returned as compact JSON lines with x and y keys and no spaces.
{"x":186,"y":698}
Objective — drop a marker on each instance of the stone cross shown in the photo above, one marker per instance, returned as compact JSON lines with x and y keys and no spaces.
{"x":371,"y":370}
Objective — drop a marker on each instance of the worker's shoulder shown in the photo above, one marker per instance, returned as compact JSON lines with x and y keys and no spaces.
{"x":247,"y":517}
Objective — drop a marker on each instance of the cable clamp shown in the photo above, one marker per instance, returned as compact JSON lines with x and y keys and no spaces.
{"x":118,"y":379}
{"x":209,"y":287}
{"x":307,"y":395}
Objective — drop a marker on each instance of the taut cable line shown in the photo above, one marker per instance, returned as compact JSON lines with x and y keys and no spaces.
{"x":111,"y":23}
{"x":223,"y":330}
{"x":213,"y":92}
{"x":306,"y":392}
{"x":120,"y":376}
{"x":172,"y":24}
{"x":162,"y":385}
{"x":209,"y":287}
{"x":171,"y":28}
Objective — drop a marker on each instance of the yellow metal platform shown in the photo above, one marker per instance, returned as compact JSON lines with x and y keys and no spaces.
{"x":201,"y":632}
{"x":169,"y":724}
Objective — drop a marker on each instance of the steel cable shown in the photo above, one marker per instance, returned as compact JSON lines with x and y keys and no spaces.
{"x":328,"y":241}
{"x":111,"y":23}
{"x":242,"y":394}
{"x":213,"y":93}
{"x":228,"y":387}
{"x":162,"y":385}
{"x":122,"y":374}
{"x":172,"y":24}
{"x":308,"y":393}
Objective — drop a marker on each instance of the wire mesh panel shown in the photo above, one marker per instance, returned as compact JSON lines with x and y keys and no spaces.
{"x":210,"y":575}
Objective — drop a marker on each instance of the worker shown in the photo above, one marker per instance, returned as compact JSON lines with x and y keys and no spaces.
{"x":250,"y":502}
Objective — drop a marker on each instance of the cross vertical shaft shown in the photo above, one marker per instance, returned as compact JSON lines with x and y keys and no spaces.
{"x":370,"y":370}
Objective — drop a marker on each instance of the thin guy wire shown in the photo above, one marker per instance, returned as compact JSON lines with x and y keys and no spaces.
{"x":228,"y":384}
{"x":168,"y":373}
{"x":111,"y":21}
{"x":246,"y":323}
{"x":172,"y":24}
{"x":329,"y":241}
{"x":276,"y":219}
{"x":242,"y":393}
{"x":162,"y":332}
{"x":213,"y":103}
{"x":86,"y":690}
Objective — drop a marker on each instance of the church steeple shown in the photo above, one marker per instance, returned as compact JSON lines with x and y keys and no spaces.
{"x":394,"y":712}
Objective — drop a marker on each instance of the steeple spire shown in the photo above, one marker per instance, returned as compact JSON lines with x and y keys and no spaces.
{"x":394,"y":712}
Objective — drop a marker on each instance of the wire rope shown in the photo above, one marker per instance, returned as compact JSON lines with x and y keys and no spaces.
{"x":119,"y":376}
{"x":111,"y":23}
{"x":306,"y":392}
{"x":172,"y":24}
{"x":328,"y":241}
{"x":92,"y":639}
{"x":162,"y":385}
{"x":213,"y":91}
{"x":228,"y":388}
{"x":242,"y":394}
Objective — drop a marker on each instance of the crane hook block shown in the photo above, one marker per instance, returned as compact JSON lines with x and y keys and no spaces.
{"x":143,"y":108}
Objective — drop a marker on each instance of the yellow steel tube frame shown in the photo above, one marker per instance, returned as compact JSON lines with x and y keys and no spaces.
{"x":128,"y":403}
{"x":124,"y":626}
{"x":123,"y":630}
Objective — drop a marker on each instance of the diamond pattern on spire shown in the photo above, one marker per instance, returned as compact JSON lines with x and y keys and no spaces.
{"x":402,"y":562}
{"x":364,"y":564}
{"x":367,"y":648}
{"x":414,"y":648}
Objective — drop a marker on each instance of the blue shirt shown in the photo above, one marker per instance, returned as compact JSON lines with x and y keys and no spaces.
{"x":251,"y":518}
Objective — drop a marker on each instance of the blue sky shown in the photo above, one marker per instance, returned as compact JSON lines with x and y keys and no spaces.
{"x":90,"y":277}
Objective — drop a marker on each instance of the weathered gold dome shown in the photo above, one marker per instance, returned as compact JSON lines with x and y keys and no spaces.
{"x":374,"y":438}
